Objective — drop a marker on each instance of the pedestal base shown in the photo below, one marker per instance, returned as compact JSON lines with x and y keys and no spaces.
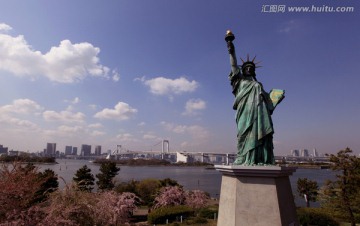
{"x":256,"y":196}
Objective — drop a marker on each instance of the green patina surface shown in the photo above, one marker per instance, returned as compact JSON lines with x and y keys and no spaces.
{"x":254,"y":107}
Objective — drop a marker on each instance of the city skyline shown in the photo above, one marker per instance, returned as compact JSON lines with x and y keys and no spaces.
{"x":163,"y":146}
{"x":134,"y":73}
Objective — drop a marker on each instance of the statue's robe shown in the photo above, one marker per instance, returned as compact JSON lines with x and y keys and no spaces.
{"x":253,"y":117}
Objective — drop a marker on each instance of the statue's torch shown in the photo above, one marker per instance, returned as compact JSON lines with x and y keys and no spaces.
{"x":229,"y":37}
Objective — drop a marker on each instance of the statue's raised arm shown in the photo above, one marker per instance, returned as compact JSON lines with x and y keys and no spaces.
{"x":231,"y":48}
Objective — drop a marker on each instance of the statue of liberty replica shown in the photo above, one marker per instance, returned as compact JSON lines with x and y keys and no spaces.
{"x":254,"y":107}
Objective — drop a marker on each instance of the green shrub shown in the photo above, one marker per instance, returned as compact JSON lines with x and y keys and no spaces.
{"x":315,"y":217}
{"x":159,"y":216}
{"x":196,"y":221}
{"x":357,"y":218}
{"x":207,"y":213}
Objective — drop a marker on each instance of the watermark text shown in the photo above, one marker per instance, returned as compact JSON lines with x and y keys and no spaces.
{"x":306,"y":9}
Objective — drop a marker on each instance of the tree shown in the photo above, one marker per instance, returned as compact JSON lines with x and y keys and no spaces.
{"x":342,"y":195}
{"x":115,"y":209}
{"x":18,"y":186}
{"x":307,"y":189}
{"x":129,"y":186}
{"x":147,"y":190}
{"x":170,"y":196}
{"x":49,"y":184}
{"x":196,"y":199}
{"x":70,"y":206}
{"x":169,"y":182}
{"x":84,"y":179}
{"x":108,"y":171}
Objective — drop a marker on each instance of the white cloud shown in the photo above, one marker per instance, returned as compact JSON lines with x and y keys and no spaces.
{"x":21,"y":106}
{"x":150,"y":136}
{"x":121,"y":111}
{"x":4,"y":27}
{"x":76,"y":100}
{"x":64,"y":116}
{"x":142,"y":124}
{"x":66,"y":63}
{"x":193,"y":106}
{"x":97,"y":133}
{"x":141,"y":79}
{"x":19,"y":122}
{"x":76,"y":132}
{"x":95,"y":125}
{"x":70,"y":129}
{"x":165,"y":86}
{"x":126,"y":137}
{"x":115,"y":76}
{"x":93,"y":106}
{"x":197,"y":132}
{"x":287,"y":26}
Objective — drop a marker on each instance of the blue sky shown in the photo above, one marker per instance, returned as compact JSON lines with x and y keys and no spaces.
{"x":134,"y":72}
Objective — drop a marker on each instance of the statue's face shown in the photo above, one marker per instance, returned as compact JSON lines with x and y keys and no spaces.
{"x":248,"y":70}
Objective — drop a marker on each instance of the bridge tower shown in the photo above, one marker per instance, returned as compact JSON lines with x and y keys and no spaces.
{"x":163,"y":148}
{"x":118,"y":149}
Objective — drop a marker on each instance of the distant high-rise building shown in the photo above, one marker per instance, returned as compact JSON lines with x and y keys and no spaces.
{"x":85,"y":150}
{"x":3,"y":150}
{"x":74,"y":151}
{"x":295,"y":153}
{"x":50,"y":149}
{"x":98,"y":150}
{"x":315,"y":153}
{"x":305,"y":153}
{"x":68,"y":150}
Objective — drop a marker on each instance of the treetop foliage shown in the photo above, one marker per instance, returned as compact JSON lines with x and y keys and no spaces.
{"x":342,"y":196}
{"x":84,"y":179}
{"x":108,"y":170}
{"x":307,"y":189}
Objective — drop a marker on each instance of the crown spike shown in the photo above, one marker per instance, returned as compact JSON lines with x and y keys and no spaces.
{"x":253,"y":59}
{"x":247,"y":57}
{"x":242,"y":60}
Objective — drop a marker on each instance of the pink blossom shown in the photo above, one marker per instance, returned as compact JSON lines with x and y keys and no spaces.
{"x":196,"y":199}
{"x":170,"y":196}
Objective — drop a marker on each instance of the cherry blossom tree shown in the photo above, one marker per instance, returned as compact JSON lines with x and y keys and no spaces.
{"x":114,"y":209}
{"x":170,"y":196}
{"x":196,"y":199}
{"x":175,"y":195}
{"x":69,"y":206}
{"x":18,"y":186}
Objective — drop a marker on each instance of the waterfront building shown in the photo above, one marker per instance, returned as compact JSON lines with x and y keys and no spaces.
{"x":315,"y":153}
{"x":3,"y":150}
{"x":50,"y":149}
{"x":98,"y":150}
{"x":295,"y":153}
{"x":74,"y":151}
{"x":305,"y":153}
{"x":14,"y":153}
{"x":68,"y":150}
{"x":85,"y":150}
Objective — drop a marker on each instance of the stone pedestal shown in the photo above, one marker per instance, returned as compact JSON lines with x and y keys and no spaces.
{"x":256,"y":196}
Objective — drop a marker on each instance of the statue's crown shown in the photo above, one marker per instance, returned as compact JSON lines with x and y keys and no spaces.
{"x":249,"y":62}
